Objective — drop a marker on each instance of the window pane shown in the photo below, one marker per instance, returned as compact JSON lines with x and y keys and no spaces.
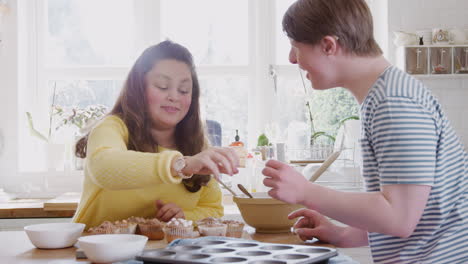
{"x":82,"y":32}
{"x":327,"y":107}
{"x":215,"y":31}
{"x":76,"y":103}
{"x":290,"y":106}
{"x":282,"y":41}
{"x":331,"y":106}
{"x":225,"y":100}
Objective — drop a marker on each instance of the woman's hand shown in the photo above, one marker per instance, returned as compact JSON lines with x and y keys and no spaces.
{"x":313,"y":224}
{"x":287,"y":184}
{"x":165,"y":212}
{"x":214,"y":160}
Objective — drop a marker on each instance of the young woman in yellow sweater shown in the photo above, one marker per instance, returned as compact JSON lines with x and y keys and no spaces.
{"x":149,"y":157}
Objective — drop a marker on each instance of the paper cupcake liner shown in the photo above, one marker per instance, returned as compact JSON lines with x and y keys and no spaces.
{"x":153,"y":232}
{"x":213,"y":230}
{"x":208,"y":221}
{"x":175,"y":232}
{"x":126,"y":229}
{"x":102,"y":231}
{"x":235,"y":230}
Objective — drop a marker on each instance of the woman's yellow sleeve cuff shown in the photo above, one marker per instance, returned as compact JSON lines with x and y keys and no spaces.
{"x":163,"y":166}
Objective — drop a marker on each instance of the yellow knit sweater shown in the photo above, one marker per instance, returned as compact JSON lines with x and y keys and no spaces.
{"x":120,"y":183}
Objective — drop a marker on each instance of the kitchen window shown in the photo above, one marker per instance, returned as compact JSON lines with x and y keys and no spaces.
{"x":79,"y":52}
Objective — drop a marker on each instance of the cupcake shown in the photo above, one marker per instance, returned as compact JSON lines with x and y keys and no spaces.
{"x":178,"y":228}
{"x":214,"y":229}
{"x":125,"y":227}
{"x":152,"y":228}
{"x":105,"y":228}
{"x":135,"y":219}
{"x":208,"y":220}
{"x":234,"y":228}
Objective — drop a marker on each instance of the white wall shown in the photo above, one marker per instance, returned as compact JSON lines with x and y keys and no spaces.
{"x":414,"y":15}
{"x":9,"y":97}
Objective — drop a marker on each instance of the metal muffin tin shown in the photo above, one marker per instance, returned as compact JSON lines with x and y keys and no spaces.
{"x":231,"y":251}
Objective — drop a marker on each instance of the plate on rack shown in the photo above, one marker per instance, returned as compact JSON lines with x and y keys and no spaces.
{"x":305,"y":162}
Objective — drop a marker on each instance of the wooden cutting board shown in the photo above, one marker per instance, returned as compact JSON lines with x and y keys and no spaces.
{"x":66,"y":201}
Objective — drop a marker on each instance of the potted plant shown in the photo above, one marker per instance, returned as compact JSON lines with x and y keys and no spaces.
{"x":55,"y":152}
{"x":74,"y":119}
{"x":322,"y":151}
{"x":264,"y":146}
{"x":79,"y":119}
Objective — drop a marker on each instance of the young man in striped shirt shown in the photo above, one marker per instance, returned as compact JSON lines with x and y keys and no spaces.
{"x":415,"y":209}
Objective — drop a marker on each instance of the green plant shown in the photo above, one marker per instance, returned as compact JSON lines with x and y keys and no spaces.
{"x":262,"y":141}
{"x":331,"y":110}
{"x":318,"y":134}
{"x":341,"y":122}
{"x":332,"y":138}
{"x":34,"y":131}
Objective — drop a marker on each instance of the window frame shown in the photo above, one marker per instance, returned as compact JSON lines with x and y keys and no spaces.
{"x":261,"y":34}
{"x":261,"y":93}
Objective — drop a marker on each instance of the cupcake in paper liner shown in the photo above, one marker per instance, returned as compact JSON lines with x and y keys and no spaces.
{"x":136,"y":219}
{"x":234,"y":228}
{"x":152,"y":228}
{"x":125,"y":227}
{"x":208,"y":220}
{"x":105,"y":228}
{"x":215,"y":229}
{"x":101,"y":231}
{"x":178,"y":228}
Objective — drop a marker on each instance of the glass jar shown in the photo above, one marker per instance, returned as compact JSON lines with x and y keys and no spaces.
{"x":461,"y":60}
{"x":441,"y":60}
{"x":416,"y":60}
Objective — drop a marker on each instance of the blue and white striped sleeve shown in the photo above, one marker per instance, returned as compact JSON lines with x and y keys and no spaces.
{"x":404,"y":140}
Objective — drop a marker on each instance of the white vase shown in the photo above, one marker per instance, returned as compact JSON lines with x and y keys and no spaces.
{"x":55,"y":156}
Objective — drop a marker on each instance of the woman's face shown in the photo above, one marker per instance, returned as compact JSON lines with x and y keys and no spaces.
{"x":169,"y":92}
{"x":313,"y":60}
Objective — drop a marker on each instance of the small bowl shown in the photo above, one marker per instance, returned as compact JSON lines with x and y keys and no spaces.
{"x":54,"y":235}
{"x":112,"y":247}
{"x":266,"y":214}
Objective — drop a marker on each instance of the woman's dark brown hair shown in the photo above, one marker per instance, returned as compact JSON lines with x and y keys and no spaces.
{"x":132,"y":108}
{"x":308,"y":21}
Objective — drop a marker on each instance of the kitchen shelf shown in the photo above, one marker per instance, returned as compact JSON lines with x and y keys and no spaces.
{"x":440,"y":61}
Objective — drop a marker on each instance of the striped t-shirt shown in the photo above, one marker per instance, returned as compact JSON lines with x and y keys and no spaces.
{"x":407,"y":139}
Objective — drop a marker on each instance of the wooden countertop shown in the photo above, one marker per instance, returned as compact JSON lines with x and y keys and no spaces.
{"x":62,"y":206}
{"x":15,"y":247}
{"x":30,"y":208}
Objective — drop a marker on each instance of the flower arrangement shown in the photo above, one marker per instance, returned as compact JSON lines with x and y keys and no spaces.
{"x":80,"y":117}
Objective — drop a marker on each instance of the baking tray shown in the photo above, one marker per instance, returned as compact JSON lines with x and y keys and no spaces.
{"x":231,"y":251}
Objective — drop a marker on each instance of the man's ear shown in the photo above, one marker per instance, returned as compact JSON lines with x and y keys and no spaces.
{"x":329,"y":45}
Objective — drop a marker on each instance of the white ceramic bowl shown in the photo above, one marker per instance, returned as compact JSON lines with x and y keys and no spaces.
{"x":112,"y":247}
{"x":54,"y":235}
